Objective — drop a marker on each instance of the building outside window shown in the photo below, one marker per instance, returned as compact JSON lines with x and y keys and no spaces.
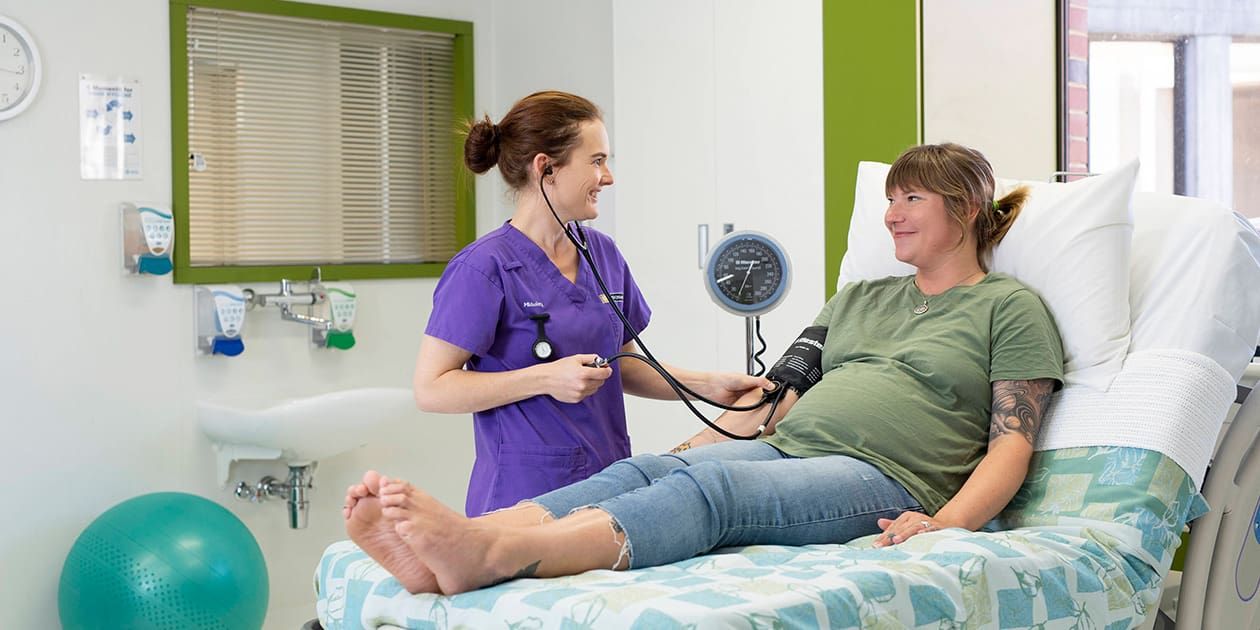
{"x":1175,"y":83}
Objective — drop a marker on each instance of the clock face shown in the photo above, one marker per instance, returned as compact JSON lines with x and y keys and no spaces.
{"x":19,"y":69}
{"x":748,"y":273}
{"x":542,"y":349}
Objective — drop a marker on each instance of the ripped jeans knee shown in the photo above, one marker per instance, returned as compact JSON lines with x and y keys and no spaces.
{"x":619,"y":537}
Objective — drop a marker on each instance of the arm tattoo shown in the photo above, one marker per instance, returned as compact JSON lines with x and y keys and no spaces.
{"x":681,"y":447}
{"x":1019,"y":407}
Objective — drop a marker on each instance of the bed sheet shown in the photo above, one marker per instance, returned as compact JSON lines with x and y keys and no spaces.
{"x":1094,"y":531}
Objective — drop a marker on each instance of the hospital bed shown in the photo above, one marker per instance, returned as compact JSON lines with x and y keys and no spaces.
{"x":1088,"y":542}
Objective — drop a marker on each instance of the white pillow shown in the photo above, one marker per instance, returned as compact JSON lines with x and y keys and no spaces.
{"x":1193,"y":262}
{"x":1070,"y":244}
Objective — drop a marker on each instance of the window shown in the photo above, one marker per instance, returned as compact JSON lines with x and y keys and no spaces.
{"x":317,"y":135}
{"x":1175,"y":84}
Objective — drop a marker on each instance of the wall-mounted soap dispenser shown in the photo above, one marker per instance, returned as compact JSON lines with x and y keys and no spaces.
{"x":148,"y":231}
{"x":220,"y":316}
{"x":338,"y":308}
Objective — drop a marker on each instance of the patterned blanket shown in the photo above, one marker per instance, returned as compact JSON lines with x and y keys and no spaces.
{"x":1089,"y":538}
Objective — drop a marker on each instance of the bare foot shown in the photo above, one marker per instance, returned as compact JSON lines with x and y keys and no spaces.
{"x":360,"y":490}
{"x":376,"y":536}
{"x":459,"y":551}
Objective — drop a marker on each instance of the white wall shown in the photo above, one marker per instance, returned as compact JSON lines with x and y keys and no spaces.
{"x":98,"y":375}
{"x":719,"y":118}
{"x":550,"y":45}
{"x":989,"y":81}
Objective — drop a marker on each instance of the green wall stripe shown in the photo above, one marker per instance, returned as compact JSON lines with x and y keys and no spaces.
{"x":871,"y":100}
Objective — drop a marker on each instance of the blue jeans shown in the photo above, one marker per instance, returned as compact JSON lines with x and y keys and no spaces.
{"x":674,"y":507}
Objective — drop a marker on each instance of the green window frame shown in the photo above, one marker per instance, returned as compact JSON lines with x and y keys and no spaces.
{"x":465,"y":199}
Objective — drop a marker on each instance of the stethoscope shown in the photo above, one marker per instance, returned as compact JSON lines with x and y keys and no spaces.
{"x":542,"y":344}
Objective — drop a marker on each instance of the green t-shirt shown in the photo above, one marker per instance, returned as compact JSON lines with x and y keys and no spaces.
{"x":911,"y":393}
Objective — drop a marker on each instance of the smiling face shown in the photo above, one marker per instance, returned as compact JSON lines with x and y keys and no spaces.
{"x":580,"y":179}
{"x":924,"y":232}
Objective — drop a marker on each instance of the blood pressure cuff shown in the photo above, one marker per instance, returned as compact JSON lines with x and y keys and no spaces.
{"x":801,"y":366}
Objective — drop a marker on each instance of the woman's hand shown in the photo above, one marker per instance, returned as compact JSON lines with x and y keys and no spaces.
{"x":571,"y":379}
{"x":906,"y":526}
{"x":728,"y":387}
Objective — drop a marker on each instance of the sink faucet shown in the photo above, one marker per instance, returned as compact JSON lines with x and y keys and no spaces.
{"x":286,"y":299}
{"x":294,"y":492}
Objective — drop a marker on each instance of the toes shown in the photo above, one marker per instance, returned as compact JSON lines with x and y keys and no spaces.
{"x":405,"y":529}
{"x":372,"y":481}
{"x":397,"y":486}
{"x":353,"y":495}
{"x":394,"y":513}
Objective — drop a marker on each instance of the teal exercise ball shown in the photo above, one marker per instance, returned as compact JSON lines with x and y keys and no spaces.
{"x":167,"y":560}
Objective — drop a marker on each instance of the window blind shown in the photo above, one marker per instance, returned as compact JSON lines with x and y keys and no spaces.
{"x":318,"y":142}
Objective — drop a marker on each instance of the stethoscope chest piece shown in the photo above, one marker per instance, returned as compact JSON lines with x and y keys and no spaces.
{"x":542,"y":349}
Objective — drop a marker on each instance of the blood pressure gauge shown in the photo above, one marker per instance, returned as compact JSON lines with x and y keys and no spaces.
{"x":748,"y":273}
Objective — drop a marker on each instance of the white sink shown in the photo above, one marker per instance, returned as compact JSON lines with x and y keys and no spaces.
{"x":303,"y":430}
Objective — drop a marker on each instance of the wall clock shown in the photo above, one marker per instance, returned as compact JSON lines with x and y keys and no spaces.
{"x":20,"y":68}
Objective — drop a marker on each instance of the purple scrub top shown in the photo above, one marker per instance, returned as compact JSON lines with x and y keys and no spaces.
{"x":482,"y":304}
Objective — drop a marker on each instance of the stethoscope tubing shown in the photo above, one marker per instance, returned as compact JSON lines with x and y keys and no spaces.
{"x":774,"y":396}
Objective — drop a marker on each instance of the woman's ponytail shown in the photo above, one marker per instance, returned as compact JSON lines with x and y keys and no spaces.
{"x":481,"y":147}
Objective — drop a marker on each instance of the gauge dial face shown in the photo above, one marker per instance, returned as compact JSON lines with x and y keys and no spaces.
{"x":748,"y":273}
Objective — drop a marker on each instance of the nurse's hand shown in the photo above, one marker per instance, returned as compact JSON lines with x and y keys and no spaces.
{"x":728,"y":387}
{"x":570,"y":379}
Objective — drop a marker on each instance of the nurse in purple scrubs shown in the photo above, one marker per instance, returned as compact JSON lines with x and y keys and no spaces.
{"x":518,"y":316}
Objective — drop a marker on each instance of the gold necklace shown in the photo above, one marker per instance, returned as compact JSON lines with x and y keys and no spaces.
{"x":923,"y":308}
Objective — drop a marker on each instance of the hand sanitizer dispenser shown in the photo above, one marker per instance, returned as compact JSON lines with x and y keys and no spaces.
{"x":341,"y":306}
{"x":148,"y":234}
{"x":220,"y":317}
